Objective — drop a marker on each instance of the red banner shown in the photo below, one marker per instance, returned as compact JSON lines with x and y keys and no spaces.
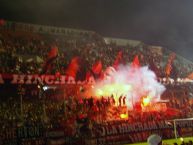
{"x":41,"y":79}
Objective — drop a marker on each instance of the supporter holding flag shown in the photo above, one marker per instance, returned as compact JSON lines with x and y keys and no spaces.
{"x":97,"y":67}
{"x":96,"y":71}
{"x":88,"y":75}
{"x":169,"y":68}
{"x":73,"y":67}
{"x":52,"y":55}
{"x":136,"y":62}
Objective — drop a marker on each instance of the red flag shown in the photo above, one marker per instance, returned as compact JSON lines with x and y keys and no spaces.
{"x":118,"y":59}
{"x":52,"y":55}
{"x":73,"y":67}
{"x":169,"y":64}
{"x":97,"y":67}
{"x":88,"y":75}
{"x":136,"y":62}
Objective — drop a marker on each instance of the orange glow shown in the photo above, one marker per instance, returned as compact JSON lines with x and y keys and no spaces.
{"x":123,"y":116}
{"x":146,"y":101}
{"x":113,"y":89}
{"x":99,"y":92}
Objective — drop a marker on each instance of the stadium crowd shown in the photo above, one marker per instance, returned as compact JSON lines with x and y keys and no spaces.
{"x":58,"y":113}
{"x":23,"y":52}
{"x":26,"y":52}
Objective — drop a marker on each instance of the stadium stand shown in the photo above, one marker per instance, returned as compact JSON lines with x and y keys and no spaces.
{"x":24,"y":49}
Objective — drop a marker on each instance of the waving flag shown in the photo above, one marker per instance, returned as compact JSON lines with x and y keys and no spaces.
{"x":118,"y":59}
{"x":52,"y":55}
{"x":97,"y":67}
{"x":136,"y":62}
{"x":73,"y":67}
{"x":95,"y":71}
{"x":169,"y":64}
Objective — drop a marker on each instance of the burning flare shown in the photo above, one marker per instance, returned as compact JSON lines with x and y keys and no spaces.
{"x":132,"y":82}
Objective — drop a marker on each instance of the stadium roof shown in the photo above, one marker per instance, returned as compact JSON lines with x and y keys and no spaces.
{"x":165,"y":23}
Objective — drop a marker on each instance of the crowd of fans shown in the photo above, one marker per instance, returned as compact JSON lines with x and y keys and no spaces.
{"x":26,"y":52}
{"x":17,"y":47}
{"x":67,"y":112}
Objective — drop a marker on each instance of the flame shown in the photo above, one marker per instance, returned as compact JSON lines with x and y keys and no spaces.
{"x":99,"y":92}
{"x":115,"y":89}
{"x":123,"y":116}
{"x":130,"y":82}
{"x":110,"y":89}
{"x":146,"y":101}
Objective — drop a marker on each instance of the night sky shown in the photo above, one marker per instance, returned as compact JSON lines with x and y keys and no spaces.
{"x":168,"y":23}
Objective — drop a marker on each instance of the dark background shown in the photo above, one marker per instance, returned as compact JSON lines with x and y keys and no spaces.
{"x":168,"y":23}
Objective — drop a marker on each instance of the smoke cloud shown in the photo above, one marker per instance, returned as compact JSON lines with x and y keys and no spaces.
{"x":132,"y":82}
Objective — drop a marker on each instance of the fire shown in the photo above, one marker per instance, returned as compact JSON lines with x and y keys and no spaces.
{"x":146,"y":101}
{"x":128,"y":84}
{"x":115,"y":89}
{"x":99,"y":92}
{"x":123,"y":116}
{"x":110,"y":89}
